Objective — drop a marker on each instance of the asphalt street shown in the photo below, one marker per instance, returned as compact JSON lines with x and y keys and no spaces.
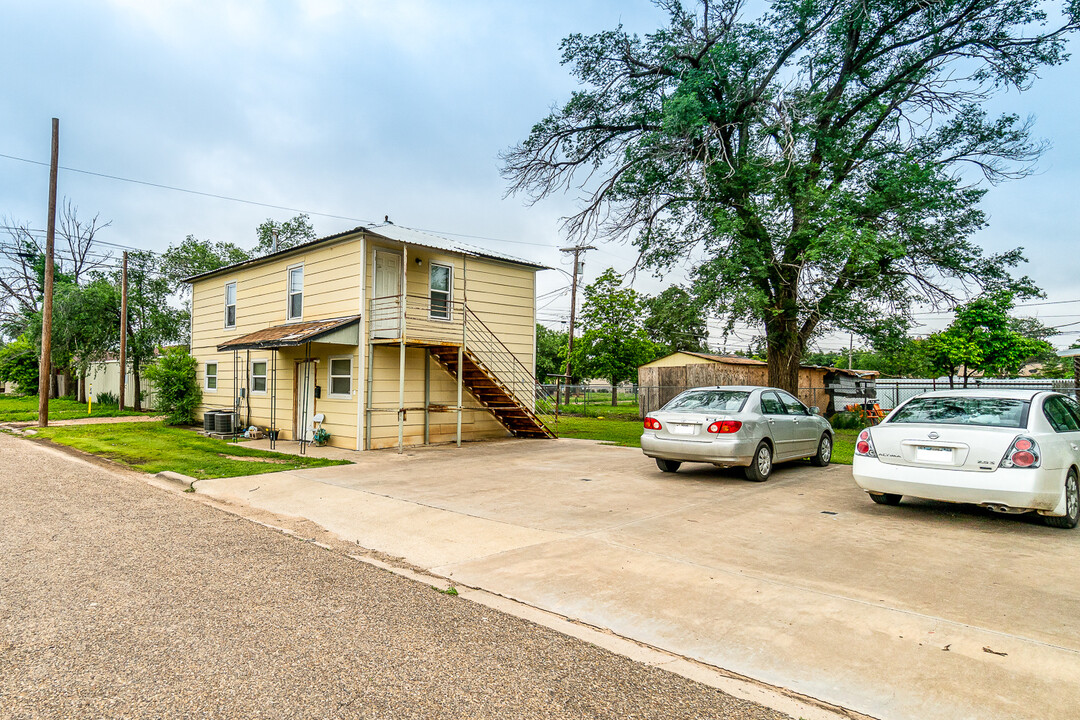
{"x":122,"y":600}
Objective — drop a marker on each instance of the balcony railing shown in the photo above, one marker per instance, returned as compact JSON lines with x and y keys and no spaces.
{"x":437,"y":321}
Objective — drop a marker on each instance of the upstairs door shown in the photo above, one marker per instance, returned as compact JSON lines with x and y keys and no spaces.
{"x":386,"y":300}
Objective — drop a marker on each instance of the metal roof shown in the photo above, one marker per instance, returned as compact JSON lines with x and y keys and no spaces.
{"x":292,"y":334}
{"x":390,"y":232}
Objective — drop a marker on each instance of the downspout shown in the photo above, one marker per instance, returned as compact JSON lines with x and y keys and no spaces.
{"x":401,"y":344}
{"x":361,"y":394}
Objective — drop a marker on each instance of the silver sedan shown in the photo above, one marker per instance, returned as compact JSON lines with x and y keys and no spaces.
{"x":739,"y":425}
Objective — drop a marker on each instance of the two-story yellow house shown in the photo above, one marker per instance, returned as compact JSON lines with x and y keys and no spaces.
{"x":362,"y":334}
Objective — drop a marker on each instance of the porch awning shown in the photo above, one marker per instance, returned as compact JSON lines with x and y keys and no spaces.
{"x":335,"y":331}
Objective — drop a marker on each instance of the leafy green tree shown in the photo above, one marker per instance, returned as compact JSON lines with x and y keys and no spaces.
{"x":981,"y":339}
{"x":675,"y":321}
{"x":550,"y":353}
{"x":813,"y":158}
{"x":194,"y":256}
{"x":178,"y":389}
{"x":290,"y":233}
{"x":1059,"y":367}
{"x":19,"y":363}
{"x":614,"y":342}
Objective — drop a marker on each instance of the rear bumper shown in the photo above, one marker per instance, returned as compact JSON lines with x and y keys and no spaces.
{"x":1013,"y":488}
{"x":720,"y":451}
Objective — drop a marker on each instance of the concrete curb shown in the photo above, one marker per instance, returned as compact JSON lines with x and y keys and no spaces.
{"x":186,"y":481}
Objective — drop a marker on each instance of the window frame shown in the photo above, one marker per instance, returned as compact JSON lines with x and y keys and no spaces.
{"x":207,"y":376}
{"x":449,"y":312}
{"x":762,"y":399}
{"x":805,"y":411}
{"x":265,"y":376}
{"x":229,"y":284}
{"x":330,"y":377}
{"x":289,"y":317}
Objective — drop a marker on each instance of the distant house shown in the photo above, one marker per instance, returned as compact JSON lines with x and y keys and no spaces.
{"x":827,"y":388}
{"x":368,"y":329}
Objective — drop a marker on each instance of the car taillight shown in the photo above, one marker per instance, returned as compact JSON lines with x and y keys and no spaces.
{"x":1023,"y":453}
{"x":724,"y":427}
{"x":865,"y":444}
{"x":652,"y":424}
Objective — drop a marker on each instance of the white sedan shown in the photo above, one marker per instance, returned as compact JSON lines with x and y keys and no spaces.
{"x":1013,"y":451}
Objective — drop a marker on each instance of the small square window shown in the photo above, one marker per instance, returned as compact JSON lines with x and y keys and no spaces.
{"x":211,"y":376}
{"x":341,"y":377}
{"x":258,"y":376}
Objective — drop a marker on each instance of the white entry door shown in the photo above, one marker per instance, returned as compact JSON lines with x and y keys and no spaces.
{"x":386,"y":301}
{"x":305,"y":398}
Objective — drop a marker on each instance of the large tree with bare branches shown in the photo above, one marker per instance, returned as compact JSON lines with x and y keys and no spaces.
{"x":819,"y":162}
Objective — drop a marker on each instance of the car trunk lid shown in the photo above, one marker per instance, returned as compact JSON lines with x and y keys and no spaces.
{"x":945,"y":447}
{"x":687,"y":426}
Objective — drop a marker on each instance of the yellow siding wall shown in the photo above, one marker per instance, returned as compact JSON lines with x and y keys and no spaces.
{"x":331,"y":289}
{"x":501,"y":294}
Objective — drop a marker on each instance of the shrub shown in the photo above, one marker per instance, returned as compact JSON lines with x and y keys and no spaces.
{"x":178,"y":390}
{"x":107,"y":398}
{"x":19,"y":364}
{"x":847,"y":420}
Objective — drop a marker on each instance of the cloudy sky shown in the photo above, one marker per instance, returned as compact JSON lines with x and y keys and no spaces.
{"x":351,"y":111}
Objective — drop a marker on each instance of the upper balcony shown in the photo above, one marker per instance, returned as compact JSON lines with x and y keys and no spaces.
{"x":426,"y":321}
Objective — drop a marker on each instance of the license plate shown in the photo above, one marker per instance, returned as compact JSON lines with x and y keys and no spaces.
{"x":933,"y":454}
{"x":681,"y":429}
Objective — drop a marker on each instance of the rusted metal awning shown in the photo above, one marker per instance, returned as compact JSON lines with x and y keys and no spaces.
{"x":336,"y":331}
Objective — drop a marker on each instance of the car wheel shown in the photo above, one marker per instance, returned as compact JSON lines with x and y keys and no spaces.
{"x":668,"y":465}
{"x":1072,"y":505}
{"x":824,"y":451}
{"x":886,"y":498}
{"x":761,"y":466}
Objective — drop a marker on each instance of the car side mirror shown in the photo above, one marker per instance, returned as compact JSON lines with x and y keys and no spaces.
{"x":815,"y":410}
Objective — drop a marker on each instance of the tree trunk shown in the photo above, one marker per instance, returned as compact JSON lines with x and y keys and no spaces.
{"x":784,"y":355}
{"x":136,"y":402}
{"x":614,"y":394}
{"x":82,"y":386}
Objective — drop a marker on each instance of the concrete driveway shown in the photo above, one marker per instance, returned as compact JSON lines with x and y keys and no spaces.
{"x":919,"y":611}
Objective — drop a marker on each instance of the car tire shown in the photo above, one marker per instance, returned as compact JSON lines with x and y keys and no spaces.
{"x":886,"y":498}
{"x":824,"y":451}
{"x":668,"y":465}
{"x":1072,"y":505}
{"x":760,"y":467}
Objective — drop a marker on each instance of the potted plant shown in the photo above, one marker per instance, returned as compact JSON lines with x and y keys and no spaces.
{"x":320,"y":437}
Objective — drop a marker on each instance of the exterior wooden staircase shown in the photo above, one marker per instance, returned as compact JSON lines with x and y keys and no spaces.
{"x":491,"y":393}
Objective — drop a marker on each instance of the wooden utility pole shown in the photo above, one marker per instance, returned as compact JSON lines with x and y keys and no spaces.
{"x":123,"y":331}
{"x":576,"y":250}
{"x":45,"y":367}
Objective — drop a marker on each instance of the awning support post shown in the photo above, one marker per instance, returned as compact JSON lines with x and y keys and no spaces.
{"x":401,"y":353}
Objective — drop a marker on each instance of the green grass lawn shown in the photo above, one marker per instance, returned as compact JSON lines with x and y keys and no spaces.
{"x":153,"y":447}
{"x":602,"y":407}
{"x":24,"y":408}
{"x":627,"y":432}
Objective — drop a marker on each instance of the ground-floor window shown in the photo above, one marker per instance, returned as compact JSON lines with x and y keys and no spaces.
{"x":258,"y":376}
{"x":341,"y":377}
{"x":211,"y":376}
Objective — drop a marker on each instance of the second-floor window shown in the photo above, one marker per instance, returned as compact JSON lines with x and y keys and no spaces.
{"x":230,"y":305}
{"x":440,"y":291}
{"x":296,"y":292}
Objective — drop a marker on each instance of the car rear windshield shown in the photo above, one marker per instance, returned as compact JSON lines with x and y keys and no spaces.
{"x":991,"y":412}
{"x":708,"y":401}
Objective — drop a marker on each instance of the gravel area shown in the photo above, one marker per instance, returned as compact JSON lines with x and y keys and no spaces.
{"x":121,"y":600}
